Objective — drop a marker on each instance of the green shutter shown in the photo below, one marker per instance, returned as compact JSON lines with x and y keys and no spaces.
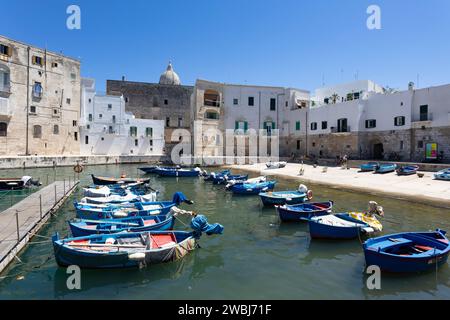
{"x":245,"y":126}
{"x":273,"y":125}
{"x":236,"y":125}
{"x":297,"y":126}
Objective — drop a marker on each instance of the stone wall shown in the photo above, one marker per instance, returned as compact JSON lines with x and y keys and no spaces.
{"x":157,"y":102}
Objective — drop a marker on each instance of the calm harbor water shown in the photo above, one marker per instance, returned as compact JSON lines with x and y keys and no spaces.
{"x":256,"y":257}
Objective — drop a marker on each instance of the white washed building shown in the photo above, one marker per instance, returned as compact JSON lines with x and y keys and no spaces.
{"x":106,"y":129}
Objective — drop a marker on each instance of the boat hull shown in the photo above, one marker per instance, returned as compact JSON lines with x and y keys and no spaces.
{"x":243,"y":189}
{"x":66,"y":256}
{"x":288,"y":215}
{"x":407,"y":171}
{"x":101,"y":181}
{"x":386,"y":169}
{"x":409,"y":252}
{"x":80,"y":230}
{"x":93,"y":214}
{"x":319,"y":230}
{"x":178,"y":173}
{"x":277,"y":199}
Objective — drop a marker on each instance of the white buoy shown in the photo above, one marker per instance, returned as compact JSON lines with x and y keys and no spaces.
{"x":137,"y":256}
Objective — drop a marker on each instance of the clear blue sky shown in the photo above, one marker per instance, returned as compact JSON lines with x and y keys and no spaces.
{"x":266,"y":42}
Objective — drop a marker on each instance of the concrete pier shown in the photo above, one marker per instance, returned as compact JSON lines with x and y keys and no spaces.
{"x":412,"y":188}
{"x":19,"y":223}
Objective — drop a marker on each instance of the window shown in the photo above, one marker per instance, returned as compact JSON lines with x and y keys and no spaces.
{"x":133,"y":131}
{"x":54,"y":65}
{"x":298,"y":144}
{"x":136,"y":142}
{"x":109,"y":106}
{"x":90,"y":100}
{"x":420,"y":144}
{"x":113,"y":119}
{"x":37,"y":90}
{"x":151,"y":143}
{"x":273,"y":104}
{"x":149,"y":132}
{"x":3,"y":129}
{"x":88,"y":126}
{"x":166,"y":102}
{"x":73,"y":76}
{"x":356,"y":95}
{"x":86,"y":140}
{"x":180,"y":122}
{"x":324,"y":125}
{"x":38,"y":61}
{"x":269,"y":126}
{"x":424,"y":113}
{"x":251,"y":101}
{"x":342,"y":125}
{"x":4,"y":79}
{"x":68,"y":100}
{"x":55,"y":112}
{"x":33,"y":109}
{"x":297,"y":126}
{"x":168,"y":122}
{"x":313,"y":144}
{"x":370,"y":124}
{"x":127,"y":100}
{"x":55,"y":129}
{"x":110,"y":130}
{"x":212,"y":115}
{"x":313,"y":126}
{"x":235,"y":102}
{"x":37,"y":131}
{"x":74,"y":123}
{"x":287,"y":104}
{"x":5,"y":50}
{"x":326,"y":100}
{"x":75,"y":136}
{"x":399,"y":121}
{"x":402,"y":144}
{"x":90,"y":117}
{"x":241,"y":125}
{"x":100,"y":116}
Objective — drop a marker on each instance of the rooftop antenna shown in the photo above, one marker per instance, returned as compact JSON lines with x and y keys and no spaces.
{"x":323,"y":80}
{"x":357,"y":75}
{"x":418,"y":78}
{"x":342,"y":74}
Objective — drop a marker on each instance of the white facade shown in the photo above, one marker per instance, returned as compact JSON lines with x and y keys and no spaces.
{"x":106,"y":129}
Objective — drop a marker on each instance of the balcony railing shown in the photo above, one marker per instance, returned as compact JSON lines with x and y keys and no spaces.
{"x":211,"y":103}
{"x":423,"y":118}
{"x":342,"y":130}
{"x":5,"y":88}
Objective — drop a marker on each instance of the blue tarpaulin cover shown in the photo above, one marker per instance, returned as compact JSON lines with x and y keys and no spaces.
{"x":200,"y":224}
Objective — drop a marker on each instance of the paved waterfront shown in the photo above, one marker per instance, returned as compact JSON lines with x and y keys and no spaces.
{"x":257,"y":257}
{"x":424,"y":190}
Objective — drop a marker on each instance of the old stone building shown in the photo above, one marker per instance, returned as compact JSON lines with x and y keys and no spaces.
{"x":39,"y":101}
{"x":167,"y":100}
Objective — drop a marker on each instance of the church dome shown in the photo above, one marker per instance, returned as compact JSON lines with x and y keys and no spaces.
{"x":170,"y":77}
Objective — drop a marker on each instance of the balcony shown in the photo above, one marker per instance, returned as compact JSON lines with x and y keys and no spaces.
{"x":422,"y":121}
{"x":335,"y":130}
{"x":211,"y":103}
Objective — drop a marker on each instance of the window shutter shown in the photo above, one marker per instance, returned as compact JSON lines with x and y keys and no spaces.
{"x":33,"y":60}
{"x":9,"y":51}
{"x":273,"y":125}
{"x":236,"y":125}
{"x":245,"y":126}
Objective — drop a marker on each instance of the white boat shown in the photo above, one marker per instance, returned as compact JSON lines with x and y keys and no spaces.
{"x":249,"y":181}
{"x":151,"y":197}
{"x":443,"y":175}
{"x":276,"y":165}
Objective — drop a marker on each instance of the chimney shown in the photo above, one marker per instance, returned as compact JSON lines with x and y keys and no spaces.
{"x":411,"y":86}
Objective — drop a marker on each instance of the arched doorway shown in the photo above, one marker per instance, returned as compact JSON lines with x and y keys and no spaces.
{"x":378,"y":151}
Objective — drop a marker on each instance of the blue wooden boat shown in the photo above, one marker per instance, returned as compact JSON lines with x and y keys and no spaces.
{"x":407,"y":170}
{"x":304,"y":211}
{"x":408,"y":252}
{"x":212,"y":175}
{"x":443,"y":175}
{"x":371,"y":166}
{"x":83,"y":228}
{"x":126,"y":250}
{"x":136,"y":209}
{"x":280,"y":198}
{"x":224,"y":179}
{"x":149,"y":170}
{"x":253,"y":188}
{"x":386,"y":168}
{"x":102,"y":181}
{"x":339,"y":226}
{"x":177,"y":172}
